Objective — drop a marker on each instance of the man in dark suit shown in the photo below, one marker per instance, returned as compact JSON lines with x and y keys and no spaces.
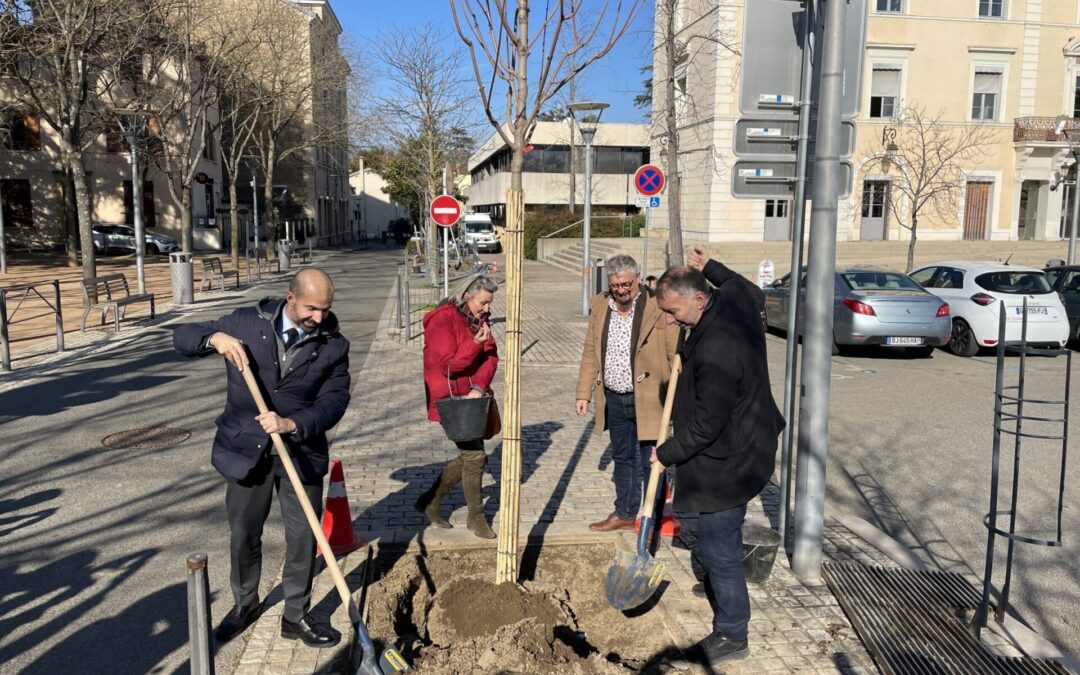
{"x":726,"y":425}
{"x":302,"y":361}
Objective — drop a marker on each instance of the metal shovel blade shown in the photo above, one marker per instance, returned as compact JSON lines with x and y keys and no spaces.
{"x":632,"y":579}
{"x":391,"y":661}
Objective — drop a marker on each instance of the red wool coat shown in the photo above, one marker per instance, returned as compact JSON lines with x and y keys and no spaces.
{"x":449,"y":348}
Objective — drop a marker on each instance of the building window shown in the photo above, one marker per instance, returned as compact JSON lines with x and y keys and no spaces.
{"x":114,"y":142}
{"x":991,"y":9}
{"x":895,"y":6}
{"x":18,"y":209}
{"x":987,"y":92}
{"x":884,"y":91}
{"x":208,"y":151}
{"x":148,"y":214}
{"x":1076,"y":95}
{"x":20,"y":131}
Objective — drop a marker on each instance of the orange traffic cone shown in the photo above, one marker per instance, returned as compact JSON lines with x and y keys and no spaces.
{"x":495,"y":266}
{"x":669,"y":527}
{"x":336,"y":520}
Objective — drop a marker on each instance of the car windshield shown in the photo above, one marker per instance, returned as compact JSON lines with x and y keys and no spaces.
{"x":477,"y":228}
{"x":879,"y":281}
{"x":1008,"y":281}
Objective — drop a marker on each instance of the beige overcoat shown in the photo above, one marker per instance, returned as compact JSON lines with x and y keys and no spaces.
{"x":653,"y":350}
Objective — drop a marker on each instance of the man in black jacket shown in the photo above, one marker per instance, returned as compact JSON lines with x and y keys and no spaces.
{"x":726,"y":425}
{"x":302,"y":361}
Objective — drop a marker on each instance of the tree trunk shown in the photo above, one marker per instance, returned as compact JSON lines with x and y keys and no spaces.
{"x":911,"y":244}
{"x":71,"y":218}
{"x":82,"y":202}
{"x":234,"y":222}
{"x":268,"y":208}
{"x":187,"y":244}
{"x":675,"y":237}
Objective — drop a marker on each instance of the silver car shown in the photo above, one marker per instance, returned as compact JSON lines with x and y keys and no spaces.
{"x":871,"y":306}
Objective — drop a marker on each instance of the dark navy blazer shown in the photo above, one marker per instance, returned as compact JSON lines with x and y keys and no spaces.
{"x":313,"y":390}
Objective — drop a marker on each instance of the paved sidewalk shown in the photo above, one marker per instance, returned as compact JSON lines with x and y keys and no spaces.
{"x":392,"y":454}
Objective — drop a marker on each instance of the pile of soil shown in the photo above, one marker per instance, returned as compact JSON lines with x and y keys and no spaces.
{"x":447,"y":615}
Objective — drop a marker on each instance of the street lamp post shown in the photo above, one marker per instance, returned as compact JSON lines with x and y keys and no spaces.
{"x":590,"y":118}
{"x":133,"y":124}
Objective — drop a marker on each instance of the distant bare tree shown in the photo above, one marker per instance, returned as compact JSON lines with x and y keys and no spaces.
{"x":425,"y":101}
{"x":67,"y":57}
{"x":928,"y":158}
{"x":502,"y":47}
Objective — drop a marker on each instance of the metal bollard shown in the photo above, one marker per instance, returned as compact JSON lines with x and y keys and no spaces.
{"x":400,"y":301}
{"x":5,"y":346}
{"x":198,"y":596}
{"x":408,"y":307}
{"x":284,"y":248}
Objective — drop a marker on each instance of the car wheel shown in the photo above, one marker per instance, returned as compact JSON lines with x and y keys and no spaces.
{"x":835,"y":348}
{"x":152,"y":249}
{"x":962,"y":342}
{"x":921,"y":352}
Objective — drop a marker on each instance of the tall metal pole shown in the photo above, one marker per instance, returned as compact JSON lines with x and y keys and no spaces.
{"x":817,"y":343}
{"x":136,"y":207}
{"x":446,"y":239}
{"x":586,"y":275}
{"x":1076,"y":209}
{"x":798,"y":223}
{"x":255,"y":211}
{"x":645,"y":246}
{"x":3,"y":237}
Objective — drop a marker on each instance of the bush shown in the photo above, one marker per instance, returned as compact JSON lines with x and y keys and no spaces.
{"x":540,"y":222}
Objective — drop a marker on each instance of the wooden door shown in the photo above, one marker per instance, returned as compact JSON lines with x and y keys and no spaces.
{"x":976,"y":209}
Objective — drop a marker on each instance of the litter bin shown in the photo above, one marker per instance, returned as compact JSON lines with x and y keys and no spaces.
{"x":284,"y":252}
{"x":759,"y":546}
{"x":182,"y":275}
{"x":599,"y":279}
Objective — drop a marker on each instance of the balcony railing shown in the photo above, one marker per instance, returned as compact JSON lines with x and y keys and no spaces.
{"x":1039,"y":129}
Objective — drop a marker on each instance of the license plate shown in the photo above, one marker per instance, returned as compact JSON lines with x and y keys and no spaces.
{"x":1031,"y":310}
{"x":904,"y":341}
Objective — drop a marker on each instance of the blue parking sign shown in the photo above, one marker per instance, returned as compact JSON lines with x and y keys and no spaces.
{"x":654,"y":202}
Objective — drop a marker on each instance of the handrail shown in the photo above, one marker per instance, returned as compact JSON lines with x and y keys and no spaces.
{"x":563,"y":229}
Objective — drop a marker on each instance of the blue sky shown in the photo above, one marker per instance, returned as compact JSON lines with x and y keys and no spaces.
{"x":615,"y":79}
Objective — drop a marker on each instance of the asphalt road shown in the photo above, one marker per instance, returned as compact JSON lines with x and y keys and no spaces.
{"x":93,"y":541}
{"x":910,"y":451}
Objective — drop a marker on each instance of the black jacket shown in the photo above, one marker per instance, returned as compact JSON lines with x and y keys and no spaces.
{"x":726,"y":421}
{"x":313,"y":390}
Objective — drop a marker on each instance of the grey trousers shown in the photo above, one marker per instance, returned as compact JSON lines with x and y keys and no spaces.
{"x":248,"y":504}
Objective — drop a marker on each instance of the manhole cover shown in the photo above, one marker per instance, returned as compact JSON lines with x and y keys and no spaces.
{"x":146,"y":438}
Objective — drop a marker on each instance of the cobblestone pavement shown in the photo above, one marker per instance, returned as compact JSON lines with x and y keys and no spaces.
{"x":392,"y":454}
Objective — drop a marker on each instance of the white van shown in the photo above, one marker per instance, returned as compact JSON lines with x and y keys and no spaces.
{"x":480,"y":231}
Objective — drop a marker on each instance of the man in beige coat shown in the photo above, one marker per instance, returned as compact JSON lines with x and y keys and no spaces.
{"x":626,"y":364}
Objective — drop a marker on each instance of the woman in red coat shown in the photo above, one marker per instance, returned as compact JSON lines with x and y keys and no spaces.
{"x":460,"y":359}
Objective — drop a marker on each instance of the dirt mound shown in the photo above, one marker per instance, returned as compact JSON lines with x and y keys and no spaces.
{"x":447,"y":616}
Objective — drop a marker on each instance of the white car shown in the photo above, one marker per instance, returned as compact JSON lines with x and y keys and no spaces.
{"x":976,"y":291}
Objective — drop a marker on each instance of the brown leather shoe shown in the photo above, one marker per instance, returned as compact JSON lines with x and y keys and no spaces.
{"x":612,"y":523}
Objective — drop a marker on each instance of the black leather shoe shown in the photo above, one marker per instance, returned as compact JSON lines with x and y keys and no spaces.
{"x":311,"y":633}
{"x":237,"y":621}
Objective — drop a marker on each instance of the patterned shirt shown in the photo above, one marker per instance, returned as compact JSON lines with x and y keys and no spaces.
{"x":618,"y":370}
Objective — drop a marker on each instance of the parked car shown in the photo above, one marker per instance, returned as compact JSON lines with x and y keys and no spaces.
{"x":1065,"y":279}
{"x":122,"y":237}
{"x":976,"y":291}
{"x":871,"y":306}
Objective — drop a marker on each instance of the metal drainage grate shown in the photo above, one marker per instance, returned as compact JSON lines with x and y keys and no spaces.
{"x":911,"y":621}
{"x":146,"y":438}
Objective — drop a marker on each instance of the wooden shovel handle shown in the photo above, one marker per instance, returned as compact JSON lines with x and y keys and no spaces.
{"x":305,"y":503}
{"x":661,"y":436}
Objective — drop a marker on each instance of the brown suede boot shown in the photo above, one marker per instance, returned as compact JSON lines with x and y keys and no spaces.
{"x":472,"y":472}
{"x":430,"y":501}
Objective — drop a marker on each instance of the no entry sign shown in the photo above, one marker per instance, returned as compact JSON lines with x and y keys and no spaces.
{"x":445,"y":210}
{"x":649,"y":180}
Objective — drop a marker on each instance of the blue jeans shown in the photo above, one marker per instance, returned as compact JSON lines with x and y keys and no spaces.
{"x":719,"y":550}
{"x":631,"y":459}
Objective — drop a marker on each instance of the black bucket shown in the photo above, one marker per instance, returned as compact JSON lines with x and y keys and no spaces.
{"x":463,"y":419}
{"x":759,"y":546}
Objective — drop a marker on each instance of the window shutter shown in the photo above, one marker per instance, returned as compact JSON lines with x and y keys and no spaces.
{"x":886,"y":81}
{"x":987,"y":81}
{"x":33,"y":131}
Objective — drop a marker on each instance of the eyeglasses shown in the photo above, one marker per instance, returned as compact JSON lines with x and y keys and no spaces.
{"x":623,"y":287}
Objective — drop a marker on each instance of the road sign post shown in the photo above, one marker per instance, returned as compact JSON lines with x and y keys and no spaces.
{"x":445,"y":211}
{"x":649,"y":181}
